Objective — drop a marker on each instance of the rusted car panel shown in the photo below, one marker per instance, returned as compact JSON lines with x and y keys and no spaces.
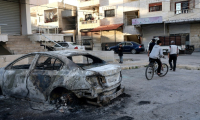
{"x":46,"y":73}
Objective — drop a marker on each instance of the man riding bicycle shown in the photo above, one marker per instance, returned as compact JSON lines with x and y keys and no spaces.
{"x":155,"y":55}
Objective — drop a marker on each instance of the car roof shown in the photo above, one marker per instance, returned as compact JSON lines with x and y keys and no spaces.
{"x":64,"y":53}
{"x":65,"y":42}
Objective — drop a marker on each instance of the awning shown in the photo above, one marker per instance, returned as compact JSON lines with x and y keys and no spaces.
{"x":107,"y":27}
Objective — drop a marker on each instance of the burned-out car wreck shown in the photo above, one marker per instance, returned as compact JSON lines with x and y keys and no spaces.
{"x":47,"y":76}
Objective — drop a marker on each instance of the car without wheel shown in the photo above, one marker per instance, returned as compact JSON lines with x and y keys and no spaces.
{"x":131,"y":47}
{"x":50,"y":76}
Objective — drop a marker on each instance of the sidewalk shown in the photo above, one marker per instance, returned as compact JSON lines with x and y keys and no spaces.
{"x":184,"y":61}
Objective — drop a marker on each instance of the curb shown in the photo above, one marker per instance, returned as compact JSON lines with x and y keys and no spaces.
{"x":187,"y":67}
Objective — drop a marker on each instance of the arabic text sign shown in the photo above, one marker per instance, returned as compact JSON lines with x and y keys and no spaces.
{"x":149,"y":20}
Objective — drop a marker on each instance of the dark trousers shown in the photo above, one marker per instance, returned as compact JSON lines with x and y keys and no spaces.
{"x":174,"y":58}
{"x":159,"y":64}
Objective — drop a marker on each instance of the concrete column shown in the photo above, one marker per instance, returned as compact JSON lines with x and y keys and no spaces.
{"x":25,"y":17}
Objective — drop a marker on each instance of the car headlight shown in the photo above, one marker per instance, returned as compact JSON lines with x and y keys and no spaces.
{"x":102,"y":79}
{"x":92,"y":81}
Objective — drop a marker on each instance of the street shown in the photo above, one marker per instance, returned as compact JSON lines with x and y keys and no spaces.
{"x":174,"y":97}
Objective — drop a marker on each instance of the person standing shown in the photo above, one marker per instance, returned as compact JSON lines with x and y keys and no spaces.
{"x":106,"y":47}
{"x":151,"y":45}
{"x":155,"y":55}
{"x":120,"y":53}
{"x":172,"y":55}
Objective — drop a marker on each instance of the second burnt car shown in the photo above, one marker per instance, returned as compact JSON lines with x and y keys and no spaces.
{"x":49,"y":76}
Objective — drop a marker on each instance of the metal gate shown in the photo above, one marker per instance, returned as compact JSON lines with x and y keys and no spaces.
{"x":10,"y":15}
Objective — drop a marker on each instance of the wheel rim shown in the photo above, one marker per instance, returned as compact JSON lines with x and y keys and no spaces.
{"x":149,"y":72}
{"x":164,"y":70}
{"x":133,"y":51}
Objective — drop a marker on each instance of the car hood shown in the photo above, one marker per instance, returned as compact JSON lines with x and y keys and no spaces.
{"x":106,"y":70}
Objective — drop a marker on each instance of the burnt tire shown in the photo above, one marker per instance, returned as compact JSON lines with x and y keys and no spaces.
{"x":69,"y":99}
{"x":61,"y":96}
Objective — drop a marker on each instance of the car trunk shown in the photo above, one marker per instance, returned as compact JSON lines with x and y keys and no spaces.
{"x":111,"y":74}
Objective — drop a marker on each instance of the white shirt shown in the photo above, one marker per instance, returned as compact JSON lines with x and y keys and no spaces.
{"x":156,"y":52}
{"x":173,"y":49}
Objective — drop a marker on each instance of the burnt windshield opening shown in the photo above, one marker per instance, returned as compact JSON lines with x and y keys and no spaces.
{"x":87,"y":61}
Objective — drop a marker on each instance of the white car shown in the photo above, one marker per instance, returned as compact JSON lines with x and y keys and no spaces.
{"x":68,"y":45}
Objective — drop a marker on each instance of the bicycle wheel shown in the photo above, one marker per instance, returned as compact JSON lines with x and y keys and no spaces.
{"x":149,"y":72}
{"x":164,"y":70}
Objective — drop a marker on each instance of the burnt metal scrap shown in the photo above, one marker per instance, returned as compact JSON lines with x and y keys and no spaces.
{"x":61,"y":76}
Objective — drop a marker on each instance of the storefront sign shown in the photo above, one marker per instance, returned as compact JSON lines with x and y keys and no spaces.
{"x":149,"y":20}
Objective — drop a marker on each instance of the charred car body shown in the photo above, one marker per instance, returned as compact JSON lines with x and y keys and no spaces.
{"x":47,"y":76}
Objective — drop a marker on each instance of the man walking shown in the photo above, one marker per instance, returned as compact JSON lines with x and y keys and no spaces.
{"x":172,"y":55}
{"x":120,"y":53}
{"x":155,"y":55}
{"x":151,"y":45}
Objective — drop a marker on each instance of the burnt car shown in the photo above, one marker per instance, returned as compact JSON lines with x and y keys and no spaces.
{"x":48,"y":76}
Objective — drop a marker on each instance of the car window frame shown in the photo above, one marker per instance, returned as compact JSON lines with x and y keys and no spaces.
{"x":8,"y":67}
{"x":130,"y":43}
{"x":39,"y":55}
{"x":122,"y":43}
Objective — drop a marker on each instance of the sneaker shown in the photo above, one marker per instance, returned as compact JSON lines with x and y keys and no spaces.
{"x":170,"y":68}
{"x":160,"y":73}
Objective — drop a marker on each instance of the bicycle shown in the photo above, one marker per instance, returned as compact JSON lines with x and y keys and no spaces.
{"x":152,"y":67}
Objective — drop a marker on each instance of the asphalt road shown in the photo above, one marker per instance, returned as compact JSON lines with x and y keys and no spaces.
{"x":173,"y":97}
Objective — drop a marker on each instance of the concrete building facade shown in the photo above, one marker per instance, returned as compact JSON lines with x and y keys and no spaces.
{"x":56,"y":20}
{"x":175,"y":18}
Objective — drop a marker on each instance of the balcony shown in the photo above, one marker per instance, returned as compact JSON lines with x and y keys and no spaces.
{"x":88,"y":3}
{"x":89,"y":24}
{"x":184,"y":11}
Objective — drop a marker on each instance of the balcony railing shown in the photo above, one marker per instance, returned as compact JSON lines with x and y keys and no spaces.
{"x":185,"y":11}
{"x":89,"y":24}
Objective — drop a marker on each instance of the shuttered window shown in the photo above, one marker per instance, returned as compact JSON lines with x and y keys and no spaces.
{"x":155,"y":7}
{"x":10,"y":15}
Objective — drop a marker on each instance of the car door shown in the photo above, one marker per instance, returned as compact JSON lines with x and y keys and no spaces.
{"x":15,"y":76}
{"x":128,"y":46}
{"x":44,"y":74}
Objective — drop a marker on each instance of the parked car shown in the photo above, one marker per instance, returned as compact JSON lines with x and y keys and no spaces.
{"x":68,"y":45}
{"x":49,"y":76}
{"x":132,"y":47}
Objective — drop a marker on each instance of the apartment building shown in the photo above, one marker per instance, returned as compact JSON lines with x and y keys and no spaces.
{"x":55,"y":20}
{"x":104,"y":21}
{"x":174,"y":18}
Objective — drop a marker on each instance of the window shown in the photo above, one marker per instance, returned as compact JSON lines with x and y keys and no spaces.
{"x":81,"y":59}
{"x":110,"y":13}
{"x":65,"y":45}
{"x":128,"y":44}
{"x":23,"y":63}
{"x":88,"y":17}
{"x":50,"y":15}
{"x":182,"y":7}
{"x":155,"y":7}
{"x":48,"y":63}
{"x":62,"y":44}
{"x":86,"y":61}
{"x":123,"y":43}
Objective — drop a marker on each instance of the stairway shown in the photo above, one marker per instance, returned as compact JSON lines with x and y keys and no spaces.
{"x":22,"y":45}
